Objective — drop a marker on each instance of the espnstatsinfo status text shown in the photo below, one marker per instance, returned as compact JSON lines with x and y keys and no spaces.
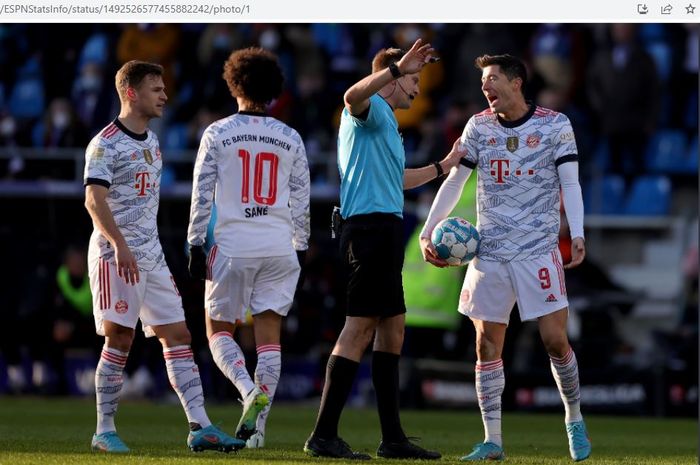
{"x":74,"y":11}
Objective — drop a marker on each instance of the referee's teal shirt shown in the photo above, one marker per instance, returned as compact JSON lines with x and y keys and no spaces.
{"x":371,"y":160}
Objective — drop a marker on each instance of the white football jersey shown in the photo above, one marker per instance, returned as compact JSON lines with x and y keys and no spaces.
{"x":129,"y":165}
{"x":518,"y":188}
{"x":254,"y":168}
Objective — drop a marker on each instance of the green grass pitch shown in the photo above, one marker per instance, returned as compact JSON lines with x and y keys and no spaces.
{"x":58,"y":431}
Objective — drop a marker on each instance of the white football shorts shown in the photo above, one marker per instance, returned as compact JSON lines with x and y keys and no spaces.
{"x":154,"y":299}
{"x":491,"y":288}
{"x":235,"y":285}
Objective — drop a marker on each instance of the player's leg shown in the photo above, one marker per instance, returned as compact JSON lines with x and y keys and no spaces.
{"x":565,"y":371}
{"x":385,"y":378}
{"x":116,"y":310}
{"x":542,"y":296}
{"x":270,"y":301}
{"x":267,"y":326}
{"x":487,"y":298}
{"x":163,"y":316}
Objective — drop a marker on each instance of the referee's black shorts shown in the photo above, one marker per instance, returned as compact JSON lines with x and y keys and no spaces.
{"x":372,"y":251}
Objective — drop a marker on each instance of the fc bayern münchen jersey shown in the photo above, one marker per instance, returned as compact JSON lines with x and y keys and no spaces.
{"x":518,"y":188}
{"x":254,"y":168}
{"x":129,"y":165}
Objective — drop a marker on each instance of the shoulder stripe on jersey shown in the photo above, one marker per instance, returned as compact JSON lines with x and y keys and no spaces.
{"x":96,"y":181}
{"x":487,"y":111}
{"x":566,"y":159}
{"x":468,"y":163}
{"x":109,"y":131}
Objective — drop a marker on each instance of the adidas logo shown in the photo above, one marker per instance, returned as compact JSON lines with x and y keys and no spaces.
{"x":551,"y":298}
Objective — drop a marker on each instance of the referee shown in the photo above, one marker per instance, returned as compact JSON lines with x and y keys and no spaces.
{"x":371,"y":160}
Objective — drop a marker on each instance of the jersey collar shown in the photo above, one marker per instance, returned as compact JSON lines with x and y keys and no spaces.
{"x":133,"y":135}
{"x":519,"y":121}
{"x":253,"y":113}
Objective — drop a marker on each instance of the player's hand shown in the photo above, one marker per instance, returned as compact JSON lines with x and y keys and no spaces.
{"x":301,"y":256}
{"x":414,"y":60}
{"x":127,"y":267}
{"x":197,"y":265}
{"x":430,"y":254}
{"x":452,"y":159}
{"x":578,"y":253}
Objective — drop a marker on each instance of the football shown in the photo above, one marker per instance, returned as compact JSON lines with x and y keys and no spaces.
{"x":456,"y":240}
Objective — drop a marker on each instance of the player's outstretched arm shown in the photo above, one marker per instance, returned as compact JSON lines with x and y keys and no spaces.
{"x":102,"y":218}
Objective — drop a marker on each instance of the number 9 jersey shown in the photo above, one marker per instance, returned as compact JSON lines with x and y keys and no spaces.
{"x":254,"y":168}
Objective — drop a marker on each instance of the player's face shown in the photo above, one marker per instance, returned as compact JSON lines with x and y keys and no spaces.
{"x":408,"y":89}
{"x":151,"y":96}
{"x":499,"y":91}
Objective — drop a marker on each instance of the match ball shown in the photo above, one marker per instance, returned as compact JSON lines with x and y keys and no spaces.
{"x":456,"y":240}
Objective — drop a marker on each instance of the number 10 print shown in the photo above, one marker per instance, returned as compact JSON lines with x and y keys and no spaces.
{"x":263,"y":160}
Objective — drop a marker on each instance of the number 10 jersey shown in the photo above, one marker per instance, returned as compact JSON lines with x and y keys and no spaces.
{"x":254,"y":169}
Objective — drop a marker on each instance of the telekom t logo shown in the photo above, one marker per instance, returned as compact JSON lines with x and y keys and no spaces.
{"x":499,"y":168}
{"x":142,"y":182}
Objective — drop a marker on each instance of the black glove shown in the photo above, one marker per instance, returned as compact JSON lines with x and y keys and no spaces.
{"x":198,"y":262}
{"x":301,"y":256}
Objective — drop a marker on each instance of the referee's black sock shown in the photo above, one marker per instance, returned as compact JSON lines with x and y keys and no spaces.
{"x":340,"y":374}
{"x":385,"y":377}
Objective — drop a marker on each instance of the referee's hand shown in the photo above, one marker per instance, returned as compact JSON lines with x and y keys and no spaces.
{"x":197,"y":265}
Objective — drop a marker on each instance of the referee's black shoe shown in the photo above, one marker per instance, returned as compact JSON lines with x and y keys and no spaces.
{"x":405,"y":450}
{"x":335,"y":448}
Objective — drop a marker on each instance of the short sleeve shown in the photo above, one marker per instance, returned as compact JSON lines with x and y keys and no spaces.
{"x":564,"y":143}
{"x":99,"y":164}
{"x":470,"y":140}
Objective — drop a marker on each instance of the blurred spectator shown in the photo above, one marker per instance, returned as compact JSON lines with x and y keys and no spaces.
{"x":624,"y":92}
{"x":73,"y":326}
{"x":61,"y":127}
{"x":92,"y":97}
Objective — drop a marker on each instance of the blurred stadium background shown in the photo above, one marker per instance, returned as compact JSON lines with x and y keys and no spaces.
{"x":631,"y":92}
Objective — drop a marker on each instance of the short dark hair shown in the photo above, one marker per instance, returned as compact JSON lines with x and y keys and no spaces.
{"x":254,"y":74}
{"x":132,"y":73}
{"x":385,"y":57}
{"x":511,"y":66}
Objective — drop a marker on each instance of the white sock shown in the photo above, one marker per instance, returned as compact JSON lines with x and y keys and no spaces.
{"x":231,"y":361}
{"x":490,"y":382}
{"x":565,"y":372}
{"x":108,"y":387}
{"x":183,"y":374}
{"x":267,"y":375}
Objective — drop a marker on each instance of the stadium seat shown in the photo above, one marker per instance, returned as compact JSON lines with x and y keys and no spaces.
{"x":95,"y":50}
{"x":38,"y":134}
{"x":691,"y":159}
{"x":176,"y":137}
{"x":666,"y":152}
{"x":690,"y":118}
{"x":605,"y":196}
{"x":662,"y":54}
{"x":649,"y":196}
{"x":27,"y":98}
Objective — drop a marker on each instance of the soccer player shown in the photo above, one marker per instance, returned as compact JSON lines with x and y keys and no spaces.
{"x":129,"y":277}
{"x":524,"y":155}
{"x":371,"y":159}
{"x":254,"y":168}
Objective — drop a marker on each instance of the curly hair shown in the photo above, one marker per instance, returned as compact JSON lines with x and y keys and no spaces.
{"x":132,"y":73}
{"x":253,"y":74}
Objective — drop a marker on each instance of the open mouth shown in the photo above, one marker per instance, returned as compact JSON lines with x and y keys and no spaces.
{"x":492,"y":99}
